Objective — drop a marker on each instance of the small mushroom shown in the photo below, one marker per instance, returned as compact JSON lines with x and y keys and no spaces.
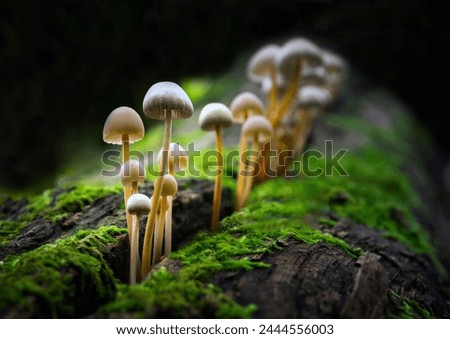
{"x":137,"y":205}
{"x":164,"y":101}
{"x":177,"y":158}
{"x":314,"y":76}
{"x":123,"y":127}
{"x":294,"y":55}
{"x":311,"y":102}
{"x":262,"y":65}
{"x":178,"y":162}
{"x":169,"y":189}
{"x":131,"y":174}
{"x":336,"y":69}
{"x":259,"y":130}
{"x":214,"y":117}
{"x":243,"y":106}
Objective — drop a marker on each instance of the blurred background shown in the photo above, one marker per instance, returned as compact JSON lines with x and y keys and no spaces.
{"x":66,"y":64}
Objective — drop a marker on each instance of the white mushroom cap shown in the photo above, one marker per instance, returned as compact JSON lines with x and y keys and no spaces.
{"x":335,"y":67}
{"x":294,"y":51}
{"x":132,"y":171}
{"x":246,"y":102}
{"x":138,"y":204}
{"x":313,"y":96}
{"x":257,"y":125}
{"x":123,"y":121}
{"x":262,"y":62}
{"x":333,"y":63}
{"x":313,"y":76}
{"x":177,"y":157}
{"x":165,"y":98}
{"x":169,"y":186}
{"x":213,"y":115}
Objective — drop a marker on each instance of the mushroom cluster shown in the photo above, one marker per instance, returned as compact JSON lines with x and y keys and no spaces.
{"x":298,"y":80}
{"x":164,"y":101}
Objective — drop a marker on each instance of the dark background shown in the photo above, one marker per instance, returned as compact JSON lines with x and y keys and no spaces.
{"x":64,"y":65}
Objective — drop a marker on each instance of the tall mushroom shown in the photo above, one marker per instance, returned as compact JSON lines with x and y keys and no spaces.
{"x":137,"y":205}
{"x":311,"y":102}
{"x":262,"y":66}
{"x":164,"y":101}
{"x":259,"y":130}
{"x":169,"y":189}
{"x":123,"y":127}
{"x":214,"y":117}
{"x":242,"y":107}
{"x":336,"y":69}
{"x":294,"y":55}
{"x":178,"y":162}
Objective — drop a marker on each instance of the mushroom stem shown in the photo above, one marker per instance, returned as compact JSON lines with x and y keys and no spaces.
{"x":302,"y":132}
{"x":272,"y":95}
{"x":159,"y":232}
{"x":240,"y":177}
{"x":150,"y":227}
{"x":241,"y":164}
{"x":168,"y":228}
{"x":288,"y":98}
{"x":218,"y":184}
{"x":134,"y":249}
{"x":134,"y":187}
{"x":253,"y":161}
{"x":126,"y":190}
{"x":263,"y":162}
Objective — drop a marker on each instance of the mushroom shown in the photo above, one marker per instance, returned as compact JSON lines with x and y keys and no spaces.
{"x":311,"y":102}
{"x":131,"y":173}
{"x":294,"y":55}
{"x":177,"y":158}
{"x":336,"y":69}
{"x":164,"y":101}
{"x":259,"y":130}
{"x":262,"y":66}
{"x":214,"y":117}
{"x":123,"y":127}
{"x":169,"y":189}
{"x":137,"y":205}
{"x":243,"y":106}
{"x":315,"y":76}
{"x":178,"y":161}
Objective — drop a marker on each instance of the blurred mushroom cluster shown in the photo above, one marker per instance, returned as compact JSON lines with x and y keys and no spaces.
{"x":298,"y":81}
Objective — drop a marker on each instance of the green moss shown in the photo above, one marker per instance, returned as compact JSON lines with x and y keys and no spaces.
{"x":53,"y":207}
{"x":65,"y":279}
{"x":244,"y":236}
{"x":9,"y":230}
{"x":380,"y":192}
{"x":177,"y":296}
{"x":409,"y":308}
{"x":77,"y":198}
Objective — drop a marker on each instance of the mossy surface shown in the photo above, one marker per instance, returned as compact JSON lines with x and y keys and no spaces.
{"x":77,"y":198}
{"x":240,"y":245}
{"x":65,"y":279}
{"x":165,"y":294}
{"x":379,"y":189}
{"x":409,"y":308}
{"x":54,"y":206}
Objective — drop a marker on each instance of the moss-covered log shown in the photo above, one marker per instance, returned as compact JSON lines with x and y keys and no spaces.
{"x":349,"y":240}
